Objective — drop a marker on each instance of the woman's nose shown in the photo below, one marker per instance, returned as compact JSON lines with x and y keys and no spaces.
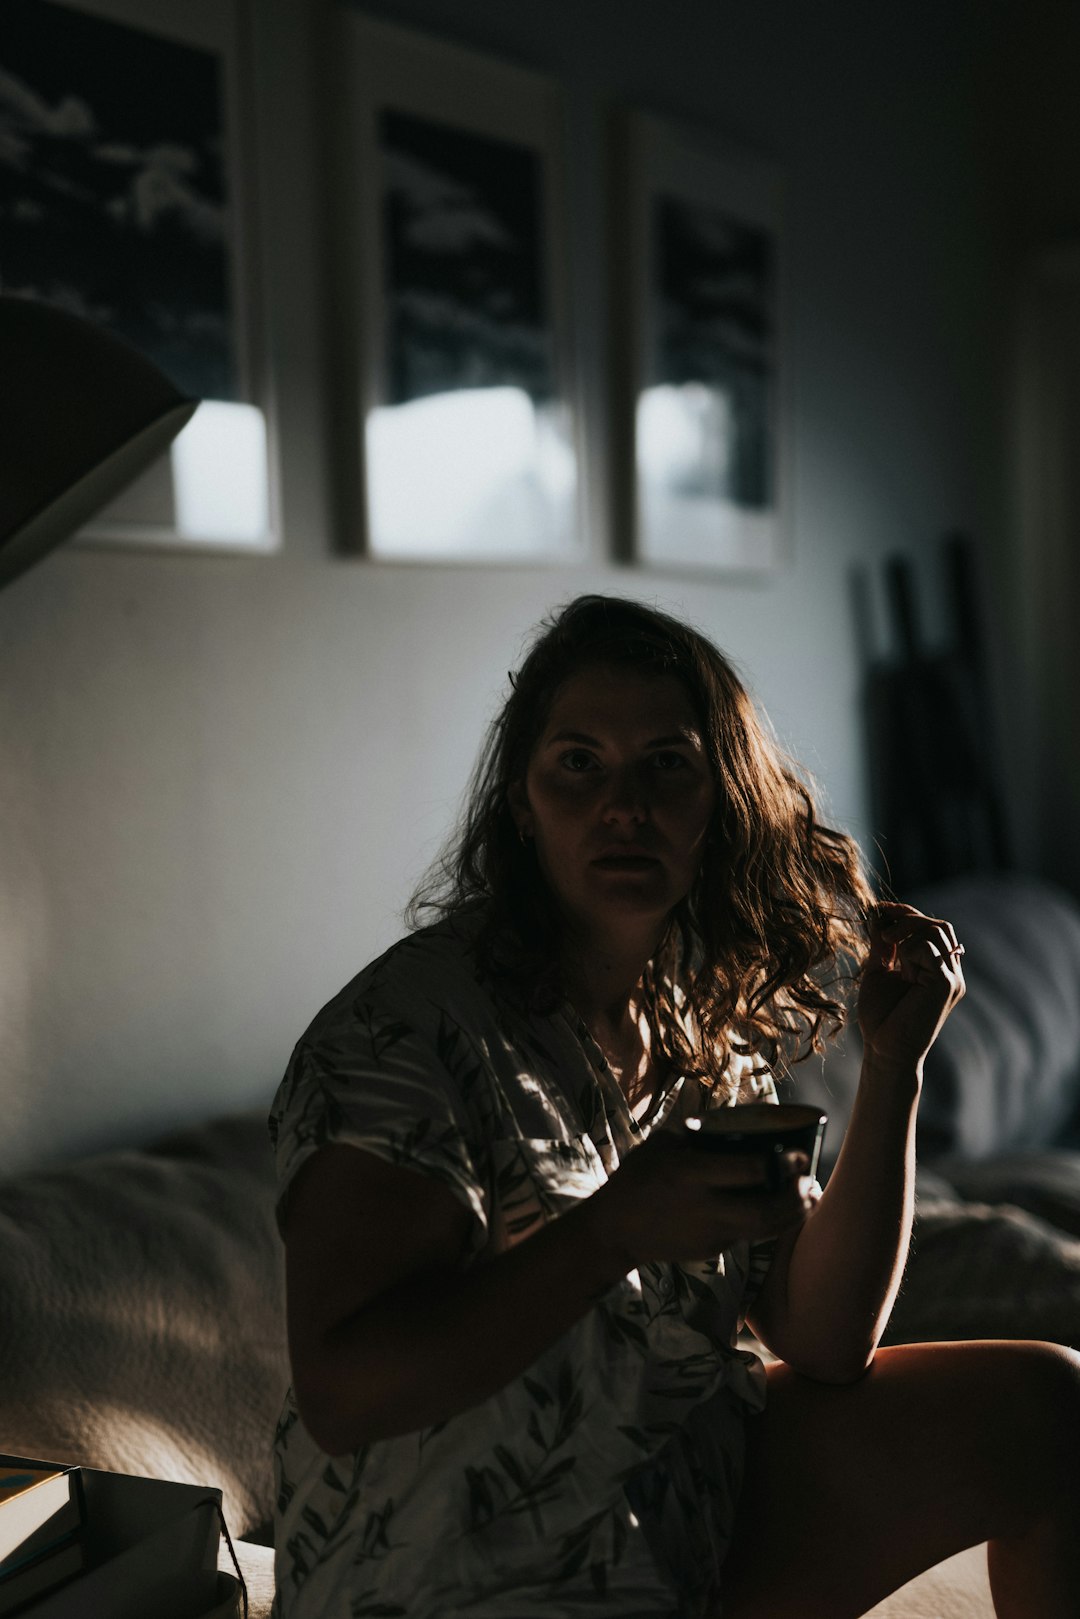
{"x":627,"y":799}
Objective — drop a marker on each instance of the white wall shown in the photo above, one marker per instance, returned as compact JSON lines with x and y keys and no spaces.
{"x":219,"y":777}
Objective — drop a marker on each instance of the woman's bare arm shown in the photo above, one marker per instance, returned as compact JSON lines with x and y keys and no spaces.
{"x":830,"y":1288}
{"x":387,"y":1332}
{"x":390,"y":1332}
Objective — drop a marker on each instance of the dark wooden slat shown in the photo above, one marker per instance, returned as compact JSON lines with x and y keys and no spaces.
{"x":935,"y":789}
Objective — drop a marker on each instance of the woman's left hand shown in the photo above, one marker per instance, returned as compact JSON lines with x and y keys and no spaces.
{"x":910,"y":984}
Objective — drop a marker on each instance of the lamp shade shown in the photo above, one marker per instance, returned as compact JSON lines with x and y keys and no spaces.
{"x":82,"y":413}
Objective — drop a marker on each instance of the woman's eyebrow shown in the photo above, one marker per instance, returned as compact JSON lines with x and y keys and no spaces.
{"x":688,"y":737}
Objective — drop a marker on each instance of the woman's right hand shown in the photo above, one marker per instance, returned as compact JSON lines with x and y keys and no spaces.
{"x":673,"y":1199}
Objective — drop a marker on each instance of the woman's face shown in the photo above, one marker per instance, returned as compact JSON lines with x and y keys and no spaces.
{"x":618,"y":796}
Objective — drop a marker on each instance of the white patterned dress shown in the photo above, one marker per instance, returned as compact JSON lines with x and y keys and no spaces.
{"x":602,"y":1481}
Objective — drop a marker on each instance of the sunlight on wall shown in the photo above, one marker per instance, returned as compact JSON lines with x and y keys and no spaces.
{"x":475,"y":472}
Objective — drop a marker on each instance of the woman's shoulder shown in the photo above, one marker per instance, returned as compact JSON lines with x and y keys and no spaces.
{"x":428,"y":972}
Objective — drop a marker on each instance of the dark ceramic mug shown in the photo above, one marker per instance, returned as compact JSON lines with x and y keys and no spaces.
{"x":765,"y":1130}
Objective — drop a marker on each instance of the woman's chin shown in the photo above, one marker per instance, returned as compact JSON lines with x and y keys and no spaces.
{"x":644,"y":894}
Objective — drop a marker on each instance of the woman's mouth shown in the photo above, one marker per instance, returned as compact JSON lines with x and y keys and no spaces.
{"x":626,"y":862}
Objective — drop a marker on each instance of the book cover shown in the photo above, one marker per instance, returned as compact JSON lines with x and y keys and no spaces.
{"x":41,"y":1574}
{"x":151,"y":1548}
{"x":39,"y":1507}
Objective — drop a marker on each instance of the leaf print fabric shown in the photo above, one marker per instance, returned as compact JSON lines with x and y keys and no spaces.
{"x":604,"y":1480}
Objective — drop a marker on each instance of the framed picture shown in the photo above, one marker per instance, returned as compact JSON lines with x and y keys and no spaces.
{"x":125,"y":195}
{"x":700,"y":411}
{"x":453,"y":365}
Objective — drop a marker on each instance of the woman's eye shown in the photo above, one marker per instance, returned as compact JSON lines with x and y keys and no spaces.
{"x":577,"y":760}
{"x":669,"y":760}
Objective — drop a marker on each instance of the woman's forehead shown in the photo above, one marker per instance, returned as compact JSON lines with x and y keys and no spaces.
{"x":630,"y":701}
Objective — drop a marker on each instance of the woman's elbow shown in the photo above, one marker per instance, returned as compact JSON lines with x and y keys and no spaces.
{"x":346,"y":1401}
{"x":332,"y":1425}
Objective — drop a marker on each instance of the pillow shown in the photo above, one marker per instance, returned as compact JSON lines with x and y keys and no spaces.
{"x":143,"y":1300}
{"x":1043,"y":1183}
{"x":982,"y":1271}
{"x":1005,"y":1070}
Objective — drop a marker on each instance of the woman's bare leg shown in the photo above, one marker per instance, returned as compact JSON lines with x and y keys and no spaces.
{"x":853,"y":1490}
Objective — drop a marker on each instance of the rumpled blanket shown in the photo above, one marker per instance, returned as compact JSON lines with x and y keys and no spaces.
{"x":142,"y":1313}
{"x":986,"y":1270}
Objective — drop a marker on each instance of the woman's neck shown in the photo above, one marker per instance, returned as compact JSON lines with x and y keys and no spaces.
{"x":603,"y":984}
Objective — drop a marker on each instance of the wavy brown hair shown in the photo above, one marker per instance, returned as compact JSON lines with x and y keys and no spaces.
{"x":775,"y":922}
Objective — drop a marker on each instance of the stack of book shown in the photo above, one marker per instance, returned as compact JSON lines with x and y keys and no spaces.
{"x":83,"y":1543}
{"x":41,"y":1539}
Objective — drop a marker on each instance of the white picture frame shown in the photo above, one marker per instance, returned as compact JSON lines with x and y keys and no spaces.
{"x":455,"y":394}
{"x":151,"y":232}
{"x":701,"y":353}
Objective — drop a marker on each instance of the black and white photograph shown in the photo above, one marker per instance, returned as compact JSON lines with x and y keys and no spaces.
{"x":453,"y":248}
{"x":117,"y":203}
{"x":465,"y":273}
{"x":113,"y":188}
{"x":702,"y":366}
{"x":713,"y":280}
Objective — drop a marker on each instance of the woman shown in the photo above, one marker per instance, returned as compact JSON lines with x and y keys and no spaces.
{"x":515,"y":1283}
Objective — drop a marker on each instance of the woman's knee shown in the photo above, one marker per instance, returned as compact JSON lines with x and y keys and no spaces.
{"x":1031,"y":1398}
{"x":1050,"y":1375}
{"x":1004,"y":1415}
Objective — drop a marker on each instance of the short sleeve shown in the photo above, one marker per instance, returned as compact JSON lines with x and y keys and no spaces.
{"x":371,"y":1078}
